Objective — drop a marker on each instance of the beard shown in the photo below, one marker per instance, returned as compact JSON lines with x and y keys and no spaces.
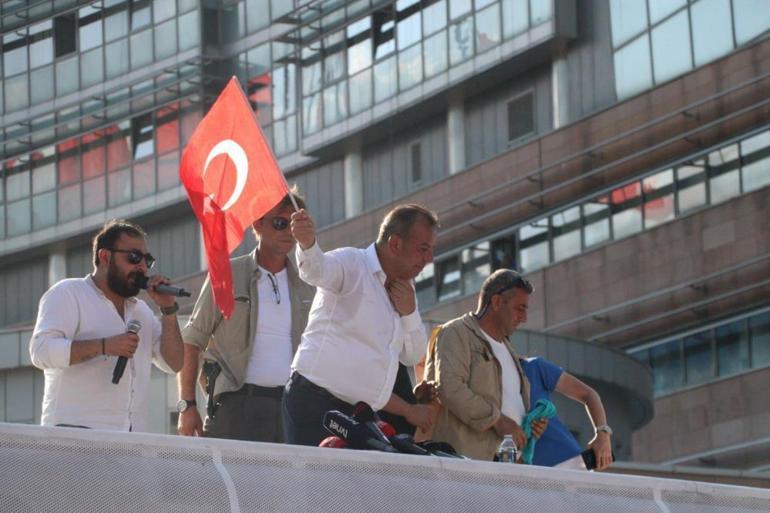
{"x":121,"y":285}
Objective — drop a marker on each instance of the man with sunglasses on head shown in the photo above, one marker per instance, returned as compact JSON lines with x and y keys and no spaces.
{"x":85,"y":325}
{"x":247,"y":358}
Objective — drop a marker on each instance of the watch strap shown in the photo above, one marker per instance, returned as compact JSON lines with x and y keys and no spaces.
{"x":169,"y":310}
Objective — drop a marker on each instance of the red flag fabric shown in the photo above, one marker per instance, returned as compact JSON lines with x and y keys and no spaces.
{"x":232,"y":179}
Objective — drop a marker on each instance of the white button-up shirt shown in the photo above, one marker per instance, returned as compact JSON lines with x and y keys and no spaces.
{"x":83,"y":394}
{"x":354,"y":337}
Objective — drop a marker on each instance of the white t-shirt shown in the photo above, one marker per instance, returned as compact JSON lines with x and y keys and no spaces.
{"x":270,"y":361}
{"x":512,"y":404}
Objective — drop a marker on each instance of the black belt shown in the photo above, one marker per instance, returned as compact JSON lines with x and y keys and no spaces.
{"x":258,"y":391}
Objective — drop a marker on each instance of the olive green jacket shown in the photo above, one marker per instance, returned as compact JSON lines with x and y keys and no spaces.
{"x":230,"y":342}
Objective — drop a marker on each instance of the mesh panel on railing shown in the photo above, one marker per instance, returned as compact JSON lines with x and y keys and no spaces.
{"x":82,"y":471}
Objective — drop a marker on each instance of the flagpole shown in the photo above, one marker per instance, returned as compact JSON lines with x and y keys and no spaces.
{"x":272,"y":154}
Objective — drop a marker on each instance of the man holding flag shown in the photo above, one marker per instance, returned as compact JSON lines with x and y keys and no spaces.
{"x":233,"y":181}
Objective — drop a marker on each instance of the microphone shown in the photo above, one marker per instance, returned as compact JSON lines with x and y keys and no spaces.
{"x":133,"y":327}
{"x":356,"y":434}
{"x":405,"y":443}
{"x":141,"y":282}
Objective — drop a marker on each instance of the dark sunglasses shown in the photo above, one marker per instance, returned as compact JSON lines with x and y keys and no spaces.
{"x":518,"y":282}
{"x":279,"y":223}
{"x":135,"y":256}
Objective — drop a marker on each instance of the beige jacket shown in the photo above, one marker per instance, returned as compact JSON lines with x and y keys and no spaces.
{"x":230,"y":341}
{"x":468,"y":377}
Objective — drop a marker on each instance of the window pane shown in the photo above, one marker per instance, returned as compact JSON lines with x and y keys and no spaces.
{"x":759,"y":330}
{"x":91,"y":68}
{"x":488,"y":28}
{"x":658,"y":198}
{"x":476,"y":266}
{"x":361,"y":91}
{"x":448,"y":279}
{"x":165,"y":39}
{"x":533,"y":240}
{"x":119,"y":187}
{"x":93,"y":155}
{"x":42,"y":84}
{"x":41,"y":50}
{"x":69,"y":203}
{"x":335,"y":103}
{"x":359,"y":56}
{"x":435,"y":54}
{"x":409,"y":30}
{"x":659,"y":9}
{"x":144,"y":178}
{"x":16,"y":93}
{"x":116,"y":25}
{"x":691,"y":186}
{"x":141,"y":49}
{"x":633,"y":71}
{"x":188,"y":31}
{"x":384,"y":79}
{"x":596,"y":217}
{"x":515,"y":17}
{"x":626,"y":214}
{"x":752,"y":18}
{"x":257,"y":16}
{"x":698,"y":358}
{"x":666,"y":363}
{"x":504,"y":253}
{"x":164,"y":9}
{"x":566,"y":233}
{"x":18,"y":218}
{"x":410,"y":67}
{"x":90,"y":28}
{"x":94,"y":195}
{"x":67,"y":76}
{"x":16,"y":185}
{"x":541,"y":11}
{"x":732,"y":342}
{"x":117,"y":58}
{"x":434,"y":17}
{"x":140,"y":13}
{"x":671,"y":55}
{"x":43,"y":177}
{"x":756,"y":158}
{"x":334,"y":67}
{"x":628,"y":18}
{"x":459,"y":7}
{"x":311,"y":78}
{"x":311,"y":114}
{"x":724,"y":178}
{"x":14,"y":59}
{"x":424,"y":285}
{"x":461,"y":41}
{"x":712,"y":32}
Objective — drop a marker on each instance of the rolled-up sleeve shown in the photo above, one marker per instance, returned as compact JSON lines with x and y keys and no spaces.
{"x":203,"y":319}
{"x":57,"y":322}
{"x":452,"y":373}
{"x":415,"y":339}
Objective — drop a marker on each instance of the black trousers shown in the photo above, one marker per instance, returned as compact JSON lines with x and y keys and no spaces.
{"x":252,"y":413}
{"x":303,"y":406}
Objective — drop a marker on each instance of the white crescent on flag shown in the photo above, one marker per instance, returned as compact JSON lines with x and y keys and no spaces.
{"x":235,"y":152}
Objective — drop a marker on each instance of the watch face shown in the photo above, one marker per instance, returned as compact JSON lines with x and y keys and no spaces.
{"x":181,"y":405}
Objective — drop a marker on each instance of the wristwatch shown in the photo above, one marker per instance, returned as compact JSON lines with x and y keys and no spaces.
{"x":183,"y":405}
{"x":169,"y":310}
{"x":604,"y":427}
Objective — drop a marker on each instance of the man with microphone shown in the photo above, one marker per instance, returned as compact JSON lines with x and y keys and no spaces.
{"x":96,"y":342}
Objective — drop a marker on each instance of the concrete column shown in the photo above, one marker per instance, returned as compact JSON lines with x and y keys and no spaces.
{"x":57,"y":263}
{"x":559,"y":90}
{"x":354,"y":182}
{"x":455,"y":130}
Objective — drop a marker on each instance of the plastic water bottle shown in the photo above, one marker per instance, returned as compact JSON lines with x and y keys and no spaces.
{"x":507,"y":452}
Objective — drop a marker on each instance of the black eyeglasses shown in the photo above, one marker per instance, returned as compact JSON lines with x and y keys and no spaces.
{"x":135,"y":256}
{"x":276,"y":290}
{"x":279,"y":223}
{"x":518,"y":282}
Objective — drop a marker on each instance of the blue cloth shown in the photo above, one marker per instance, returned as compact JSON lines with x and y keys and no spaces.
{"x":557,"y":444}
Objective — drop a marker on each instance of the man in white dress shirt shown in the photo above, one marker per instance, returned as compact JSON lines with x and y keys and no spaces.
{"x":363,"y":321}
{"x":81,"y":331}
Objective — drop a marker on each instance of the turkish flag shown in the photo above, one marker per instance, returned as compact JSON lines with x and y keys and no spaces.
{"x":232,"y":180}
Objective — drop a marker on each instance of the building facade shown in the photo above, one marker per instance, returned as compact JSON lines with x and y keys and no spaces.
{"x":615,"y":151}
